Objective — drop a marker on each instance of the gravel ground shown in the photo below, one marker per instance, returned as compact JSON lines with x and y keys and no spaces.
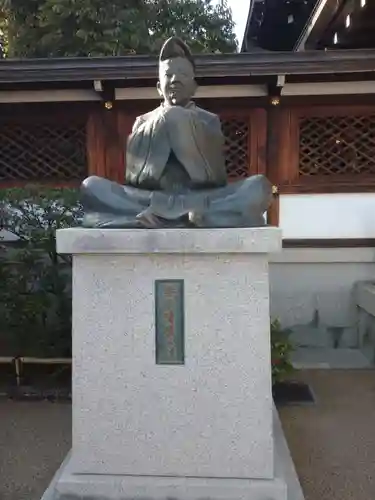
{"x":34,"y":439}
{"x":332,"y":442}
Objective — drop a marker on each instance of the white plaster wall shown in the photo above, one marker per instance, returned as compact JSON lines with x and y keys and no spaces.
{"x":313,"y":293}
{"x":316,"y":216}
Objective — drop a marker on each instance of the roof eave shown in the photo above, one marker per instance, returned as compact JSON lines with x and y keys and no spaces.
{"x":318,"y":21}
{"x":247,"y":28}
{"x":208,"y":66}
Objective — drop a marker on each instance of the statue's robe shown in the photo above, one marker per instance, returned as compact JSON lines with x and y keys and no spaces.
{"x":173,"y":142}
{"x":175,"y":176}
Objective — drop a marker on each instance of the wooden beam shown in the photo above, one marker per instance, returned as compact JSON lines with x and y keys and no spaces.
{"x":68,"y":95}
{"x":126,"y":94}
{"x":204,"y":92}
{"x":327,"y":88}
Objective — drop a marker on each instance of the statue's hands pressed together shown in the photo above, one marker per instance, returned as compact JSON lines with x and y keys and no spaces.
{"x":174,"y":114}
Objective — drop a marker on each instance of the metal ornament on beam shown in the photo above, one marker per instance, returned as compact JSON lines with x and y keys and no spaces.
{"x":275,"y":89}
{"x":107,"y":93}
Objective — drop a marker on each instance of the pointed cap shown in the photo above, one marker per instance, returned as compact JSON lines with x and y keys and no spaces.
{"x":175,"y":47}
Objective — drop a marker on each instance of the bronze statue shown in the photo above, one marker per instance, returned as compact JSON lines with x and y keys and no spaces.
{"x":175,"y":165}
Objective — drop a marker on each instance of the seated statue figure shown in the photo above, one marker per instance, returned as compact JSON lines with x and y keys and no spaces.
{"x":175,"y":165}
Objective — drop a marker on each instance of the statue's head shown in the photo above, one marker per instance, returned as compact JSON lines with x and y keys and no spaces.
{"x":176,"y":73}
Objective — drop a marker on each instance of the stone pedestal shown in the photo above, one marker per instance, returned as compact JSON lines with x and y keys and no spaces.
{"x":171,"y":401}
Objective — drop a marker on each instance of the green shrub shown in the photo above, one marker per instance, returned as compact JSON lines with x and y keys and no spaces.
{"x":35,"y":289}
{"x":281,"y":350}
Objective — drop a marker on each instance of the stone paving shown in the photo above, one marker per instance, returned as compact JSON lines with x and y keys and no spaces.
{"x":34,"y":439}
{"x":332,"y":442}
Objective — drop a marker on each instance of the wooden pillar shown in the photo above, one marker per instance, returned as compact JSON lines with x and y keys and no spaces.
{"x":96,"y":157}
{"x":125,"y":123}
{"x":272,"y":160}
{"x":258,"y":141}
{"x":107,"y":132}
{"x":281,"y":148}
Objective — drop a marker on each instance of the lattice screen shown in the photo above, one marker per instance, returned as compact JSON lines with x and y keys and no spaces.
{"x":237,"y":132}
{"x":337,"y":145}
{"x":37,"y":152}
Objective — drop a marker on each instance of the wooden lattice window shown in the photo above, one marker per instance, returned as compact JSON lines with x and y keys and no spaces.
{"x":35,"y":151}
{"x":237,"y":134}
{"x":336,"y":145}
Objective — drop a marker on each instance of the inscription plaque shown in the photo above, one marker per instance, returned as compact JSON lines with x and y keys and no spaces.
{"x":169,"y":322}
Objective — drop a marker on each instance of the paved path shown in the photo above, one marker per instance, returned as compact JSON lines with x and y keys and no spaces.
{"x":332,"y":443}
{"x":34,"y":438}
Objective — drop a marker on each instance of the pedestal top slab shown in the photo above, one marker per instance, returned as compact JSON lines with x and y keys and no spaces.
{"x":190,"y":241}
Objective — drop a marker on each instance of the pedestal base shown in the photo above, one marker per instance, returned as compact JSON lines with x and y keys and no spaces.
{"x":172,"y":368}
{"x":67,"y":485}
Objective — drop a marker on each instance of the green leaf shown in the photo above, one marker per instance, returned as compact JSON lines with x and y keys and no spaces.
{"x":48,"y":28}
{"x":281,"y":349}
{"x":35,"y":304}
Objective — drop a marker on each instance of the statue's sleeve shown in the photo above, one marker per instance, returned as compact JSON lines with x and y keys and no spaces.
{"x":136,"y":152}
{"x":147,"y":149}
{"x":214,"y":147}
{"x":198,"y":142}
{"x":138,"y":122}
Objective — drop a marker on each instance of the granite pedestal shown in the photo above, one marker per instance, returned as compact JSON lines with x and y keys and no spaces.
{"x":201,"y":428}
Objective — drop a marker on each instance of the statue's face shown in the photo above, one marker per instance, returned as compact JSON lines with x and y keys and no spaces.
{"x":176,"y":81}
